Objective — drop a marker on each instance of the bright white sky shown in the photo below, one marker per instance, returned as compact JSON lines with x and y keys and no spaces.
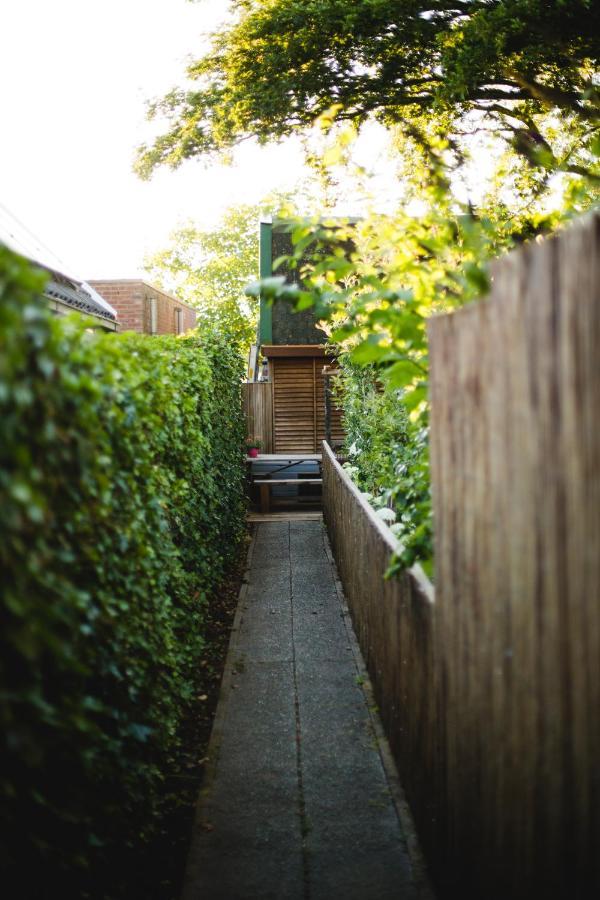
{"x":75,"y":76}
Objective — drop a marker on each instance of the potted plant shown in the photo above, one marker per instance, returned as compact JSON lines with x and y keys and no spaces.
{"x":253,"y":445}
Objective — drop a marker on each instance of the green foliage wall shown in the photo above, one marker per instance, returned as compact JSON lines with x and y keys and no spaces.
{"x":121,"y":506}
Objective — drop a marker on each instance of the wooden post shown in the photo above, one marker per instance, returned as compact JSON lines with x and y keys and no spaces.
{"x":265,"y":497}
{"x":327,"y":394}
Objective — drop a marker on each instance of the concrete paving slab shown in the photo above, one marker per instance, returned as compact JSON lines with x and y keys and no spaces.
{"x":272,"y":543}
{"x":306,"y":540}
{"x":247,"y":841}
{"x":314,"y":582}
{"x":269,"y":557}
{"x":273,"y":584}
{"x":320,"y":636}
{"x":261,"y":701}
{"x":352,"y":823}
{"x":298,"y":803}
{"x":266,"y":635}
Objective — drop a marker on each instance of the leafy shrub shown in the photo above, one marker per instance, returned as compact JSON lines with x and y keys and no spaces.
{"x":375,"y":423}
{"x":121,"y":506}
{"x":388,"y":457}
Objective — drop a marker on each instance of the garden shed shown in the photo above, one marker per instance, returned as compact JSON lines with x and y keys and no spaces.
{"x":288,"y":406}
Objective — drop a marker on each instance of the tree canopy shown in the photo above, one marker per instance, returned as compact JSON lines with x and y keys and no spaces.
{"x":209,"y":269}
{"x":281,"y":63}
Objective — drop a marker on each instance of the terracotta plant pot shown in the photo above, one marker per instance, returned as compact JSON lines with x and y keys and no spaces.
{"x":253,"y":451}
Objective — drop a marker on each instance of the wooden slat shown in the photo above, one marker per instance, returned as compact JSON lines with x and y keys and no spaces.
{"x":287,"y":351}
{"x":257,"y":400}
{"x":314,"y":373}
{"x":296,"y":481}
{"x":293,"y":404}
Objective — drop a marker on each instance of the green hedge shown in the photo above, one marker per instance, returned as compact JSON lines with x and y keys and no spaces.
{"x":121,"y":506}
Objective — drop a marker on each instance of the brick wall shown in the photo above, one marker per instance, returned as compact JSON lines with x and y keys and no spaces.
{"x":189,"y":318}
{"x":133,"y":302}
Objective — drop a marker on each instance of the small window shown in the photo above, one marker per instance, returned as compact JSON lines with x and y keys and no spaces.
{"x":153,"y":316}
{"x":179,"y":321}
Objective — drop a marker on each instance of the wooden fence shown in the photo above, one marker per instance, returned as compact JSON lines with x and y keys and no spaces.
{"x":498,"y":736}
{"x":393,"y":621}
{"x":257,"y":400}
{"x":515,"y":426}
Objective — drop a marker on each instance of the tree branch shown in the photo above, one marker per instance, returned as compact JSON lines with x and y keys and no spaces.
{"x":554,"y":97}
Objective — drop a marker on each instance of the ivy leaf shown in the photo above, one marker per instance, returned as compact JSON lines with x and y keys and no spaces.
{"x":280,"y":261}
{"x":305,"y":300}
{"x":339,"y":335}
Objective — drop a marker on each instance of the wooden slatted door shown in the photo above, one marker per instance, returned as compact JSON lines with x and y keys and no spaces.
{"x":299,"y":405}
{"x":294,"y":405}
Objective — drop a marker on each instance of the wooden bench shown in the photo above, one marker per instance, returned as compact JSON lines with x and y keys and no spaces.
{"x":265,"y":484}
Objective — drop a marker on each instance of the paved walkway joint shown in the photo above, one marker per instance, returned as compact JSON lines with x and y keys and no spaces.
{"x":297,"y":804}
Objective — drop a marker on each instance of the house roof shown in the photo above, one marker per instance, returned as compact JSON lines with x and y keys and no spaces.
{"x":61,"y":286}
{"x":79,"y":295}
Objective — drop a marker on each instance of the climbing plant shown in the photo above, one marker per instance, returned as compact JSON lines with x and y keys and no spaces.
{"x":121,"y":505}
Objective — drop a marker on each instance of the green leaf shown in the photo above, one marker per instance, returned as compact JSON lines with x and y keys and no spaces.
{"x":401,"y":373}
{"x":412,"y":399}
{"x":280,"y":261}
{"x":478,"y":277}
{"x":370,"y":350}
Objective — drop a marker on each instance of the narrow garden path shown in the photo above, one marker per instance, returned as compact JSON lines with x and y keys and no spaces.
{"x":297,"y":805}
